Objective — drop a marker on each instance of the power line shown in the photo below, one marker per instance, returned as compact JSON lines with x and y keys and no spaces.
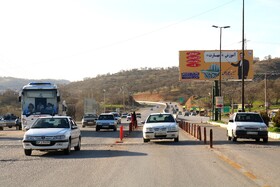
{"x":164,"y":27}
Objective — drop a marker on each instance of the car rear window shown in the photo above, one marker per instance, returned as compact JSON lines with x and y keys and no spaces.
{"x":160,"y":118}
{"x":248,"y":118}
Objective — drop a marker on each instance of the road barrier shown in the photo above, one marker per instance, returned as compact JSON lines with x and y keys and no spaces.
{"x":195,"y":131}
{"x":121,"y":132}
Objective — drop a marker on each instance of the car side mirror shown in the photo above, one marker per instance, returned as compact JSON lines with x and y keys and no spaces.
{"x":231,"y":120}
{"x":74,"y":127}
{"x":26,"y":128}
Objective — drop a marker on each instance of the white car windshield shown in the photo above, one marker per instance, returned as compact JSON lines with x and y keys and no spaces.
{"x":106,"y":117}
{"x":248,"y":118}
{"x":159,"y":118}
{"x":51,"y":123}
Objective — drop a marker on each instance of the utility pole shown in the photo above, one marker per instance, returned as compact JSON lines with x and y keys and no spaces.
{"x":243,"y":95}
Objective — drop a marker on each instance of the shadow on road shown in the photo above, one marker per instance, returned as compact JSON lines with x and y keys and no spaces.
{"x":83,"y":154}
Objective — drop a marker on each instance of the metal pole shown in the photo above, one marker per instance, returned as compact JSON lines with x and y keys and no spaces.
{"x":265,"y":92}
{"x":220,"y":77}
{"x":220,"y":59}
{"x":104,"y":101}
{"x":243,"y":108}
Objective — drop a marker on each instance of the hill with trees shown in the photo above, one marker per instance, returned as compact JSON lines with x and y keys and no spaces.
{"x":123,"y":88}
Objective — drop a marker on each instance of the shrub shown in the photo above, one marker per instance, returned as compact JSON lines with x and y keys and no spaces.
{"x":265,"y":117}
{"x":276,"y":119}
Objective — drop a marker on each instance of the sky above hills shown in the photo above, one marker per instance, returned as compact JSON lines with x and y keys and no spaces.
{"x":73,"y":40}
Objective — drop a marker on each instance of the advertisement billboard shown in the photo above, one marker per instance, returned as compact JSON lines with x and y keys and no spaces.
{"x":205,"y":65}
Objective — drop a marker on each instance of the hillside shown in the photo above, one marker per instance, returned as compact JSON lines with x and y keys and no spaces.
{"x":159,"y":84}
{"x":10,"y":83}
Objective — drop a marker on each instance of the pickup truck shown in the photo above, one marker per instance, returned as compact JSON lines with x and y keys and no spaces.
{"x":10,"y":121}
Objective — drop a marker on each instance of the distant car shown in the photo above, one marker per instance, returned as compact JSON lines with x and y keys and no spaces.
{"x":160,"y":126}
{"x":106,"y":121}
{"x":128,"y":117}
{"x":123,"y":115}
{"x":89,"y":119}
{"x":117,"y":117}
{"x":138,"y":115}
{"x":193,"y":113}
{"x":52,"y":133}
{"x":10,"y":120}
{"x":249,"y":125}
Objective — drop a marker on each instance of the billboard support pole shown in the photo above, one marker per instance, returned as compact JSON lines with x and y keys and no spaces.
{"x":243,"y":108}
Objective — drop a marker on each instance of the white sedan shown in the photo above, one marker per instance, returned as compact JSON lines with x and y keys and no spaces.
{"x":52,"y":133}
{"x":160,"y":126}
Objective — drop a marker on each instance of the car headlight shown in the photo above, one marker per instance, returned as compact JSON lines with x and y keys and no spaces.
{"x":59,"y":137}
{"x":263,"y":128}
{"x":172,"y":128}
{"x":149,"y":129}
{"x":239,"y":128}
{"x":29,"y":138}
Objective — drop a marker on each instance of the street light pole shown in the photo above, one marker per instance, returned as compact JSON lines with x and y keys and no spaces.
{"x":104,"y":91}
{"x":220,"y":73}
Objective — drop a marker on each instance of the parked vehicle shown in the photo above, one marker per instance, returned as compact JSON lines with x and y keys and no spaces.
{"x":52,"y":133}
{"x":249,"y":125}
{"x":89,"y":119}
{"x":10,"y":120}
{"x":106,"y":121}
{"x":160,"y":126}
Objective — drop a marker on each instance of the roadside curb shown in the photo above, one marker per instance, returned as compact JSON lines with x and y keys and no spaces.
{"x":272,"y":135}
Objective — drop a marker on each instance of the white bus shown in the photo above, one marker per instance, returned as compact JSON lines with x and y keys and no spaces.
{"x":38,"y":99}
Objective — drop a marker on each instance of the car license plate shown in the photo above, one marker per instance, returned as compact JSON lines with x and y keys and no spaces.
{"x":252,"y":132}
{"x":43,"y":142}
{"x":105,"y":126}
{"x":160,"y":133}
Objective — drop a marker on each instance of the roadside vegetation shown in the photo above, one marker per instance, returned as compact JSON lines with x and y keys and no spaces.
{"x":121,"y":89}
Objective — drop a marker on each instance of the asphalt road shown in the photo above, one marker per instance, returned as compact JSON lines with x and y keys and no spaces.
{"x":104,"y":162}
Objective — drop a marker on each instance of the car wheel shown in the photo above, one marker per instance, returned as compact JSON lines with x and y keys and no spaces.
{"x":27,"y":152}
{"x":97,"y":128}
{"x":115,"y":129}
{"x":257,"y":139}
{"x":83,"y":126}
{"x":176,"y":139}
{"x":1,"y":128}
{"x":265,"y":140}
{"x":68,"y":149}
{"x":78,"y":147}
{"x":146,"y":140}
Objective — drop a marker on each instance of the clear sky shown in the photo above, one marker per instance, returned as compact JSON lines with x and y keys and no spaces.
{"x":73,"y":40}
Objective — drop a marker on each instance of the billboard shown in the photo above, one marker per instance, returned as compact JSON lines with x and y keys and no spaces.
{"x":205,"y":65}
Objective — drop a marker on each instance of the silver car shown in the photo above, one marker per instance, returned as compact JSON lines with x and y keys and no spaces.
{"x":52,"y":133}
{"x":106,"y":121}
